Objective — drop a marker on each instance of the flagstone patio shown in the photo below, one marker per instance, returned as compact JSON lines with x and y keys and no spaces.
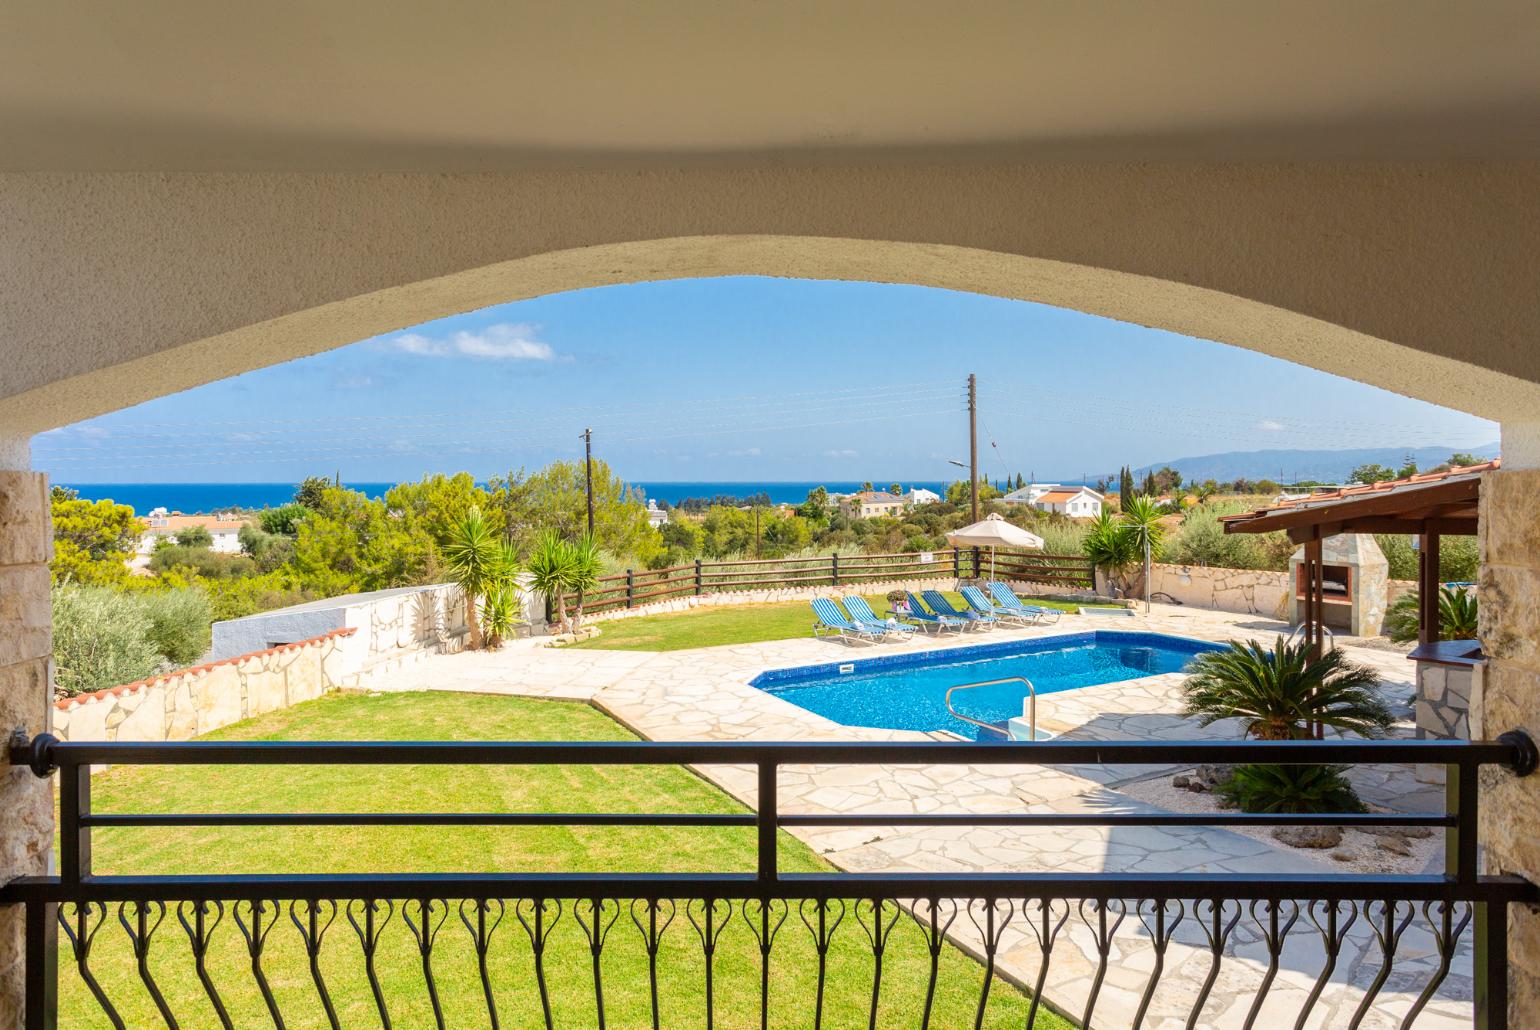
{"x":704,"y":694}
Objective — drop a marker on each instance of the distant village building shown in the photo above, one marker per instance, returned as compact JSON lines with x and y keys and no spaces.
{"x":872,"y":504}
{"x":919,"y":495}
{"x":1079,"y":502}
{"x":656,"y":516}
{"x":164,"y":525}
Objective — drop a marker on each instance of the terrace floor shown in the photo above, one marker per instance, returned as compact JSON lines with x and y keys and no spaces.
{"x":704,"y":694}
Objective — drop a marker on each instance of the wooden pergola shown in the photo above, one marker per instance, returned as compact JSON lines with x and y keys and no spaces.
{"x":1428,"y":507}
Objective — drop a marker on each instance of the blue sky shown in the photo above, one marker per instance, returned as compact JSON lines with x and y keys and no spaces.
{"x":746,"y":379}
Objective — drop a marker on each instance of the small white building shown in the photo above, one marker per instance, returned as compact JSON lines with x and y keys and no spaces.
{"x":656,"y":516}
{"x":1080,"y":502}
{"x":919,"y":495}
{"x":163,"y":525}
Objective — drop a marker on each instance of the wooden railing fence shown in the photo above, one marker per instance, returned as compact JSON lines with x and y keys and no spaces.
{"x":639,"y":586}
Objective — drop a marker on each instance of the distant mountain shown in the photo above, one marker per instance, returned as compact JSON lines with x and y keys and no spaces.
{"x":1295,"y":466}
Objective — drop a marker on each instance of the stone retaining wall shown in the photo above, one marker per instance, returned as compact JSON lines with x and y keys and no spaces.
{"x":1244,"y":591}
{"x":183,"y":704}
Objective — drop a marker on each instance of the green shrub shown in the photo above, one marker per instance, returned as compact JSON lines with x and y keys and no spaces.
{"x":201,"y":562}
{"x":1290,"y":788}
{"x":282,"y":521}
{"x":237,"y":598}
{"x":1459,"y":557}
{"x":195,"y":536}
{"x":101,"y":638}
{"x":1457,"y":610}
{"x":178,"y":623}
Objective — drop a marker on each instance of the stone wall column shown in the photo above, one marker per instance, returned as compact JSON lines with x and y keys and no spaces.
{"x":26,"y":802}
{"x":1509,"y":594}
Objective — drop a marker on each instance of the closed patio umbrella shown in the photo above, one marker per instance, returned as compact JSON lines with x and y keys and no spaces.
{"x":994,"y":532}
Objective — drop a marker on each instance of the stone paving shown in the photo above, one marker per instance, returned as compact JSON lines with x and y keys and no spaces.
{"x":704,"y":694}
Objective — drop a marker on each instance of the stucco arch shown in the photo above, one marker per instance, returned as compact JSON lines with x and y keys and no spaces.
{"x":118,"y":288}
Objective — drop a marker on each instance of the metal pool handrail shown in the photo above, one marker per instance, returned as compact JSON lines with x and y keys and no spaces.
{"x":1031,"y":703}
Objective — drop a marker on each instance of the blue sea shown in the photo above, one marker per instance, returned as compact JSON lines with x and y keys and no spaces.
{"x":191,"y":498}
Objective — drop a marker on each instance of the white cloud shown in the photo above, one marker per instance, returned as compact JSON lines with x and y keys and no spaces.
{"x":417,"y":343}
{"x":1269,"y":426}
{"x":505,"y":341}
{"x":747,"y":452}
{"x":847,"y":453}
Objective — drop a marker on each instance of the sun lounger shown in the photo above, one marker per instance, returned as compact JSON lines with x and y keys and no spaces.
{"x":979,"y":602}
{"x":1005,"y":597}
{"x":941,"y":606}
{"x":832,"y":620}
{"x":861,"y":613}
{"x":929,"y":621}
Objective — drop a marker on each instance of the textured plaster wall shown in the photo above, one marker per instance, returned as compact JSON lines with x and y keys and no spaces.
{"x":1509,"y":590}
{"x":26,"y":802}
{"x":1421,"y":278}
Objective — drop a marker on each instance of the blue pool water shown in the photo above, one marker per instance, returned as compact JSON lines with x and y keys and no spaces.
{"x":908,"y":691}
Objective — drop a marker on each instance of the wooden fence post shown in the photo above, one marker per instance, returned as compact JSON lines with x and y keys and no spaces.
{"x":697,"y":578}
{"x":834,"y":564}
{"x":630,"y":586}
{"x":956,"y":564}
{"x":978,"y":570}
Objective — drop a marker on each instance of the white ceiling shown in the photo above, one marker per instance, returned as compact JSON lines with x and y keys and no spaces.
{"x":365,"y":84}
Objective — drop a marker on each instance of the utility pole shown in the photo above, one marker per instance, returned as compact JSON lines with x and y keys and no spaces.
{"x":588,"y":474}
{"x":973,"y":442}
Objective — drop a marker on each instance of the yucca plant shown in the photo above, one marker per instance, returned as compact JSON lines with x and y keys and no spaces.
{"x":550,"y":564}
{"x":500,"y":609}
{"x":1112,"y":547}
{"x":1290,"y":788}
{"x":1457,"y":612}
{"x":471,"y":554}
{"x":1279,"y":692}
{"x":587,"y":564}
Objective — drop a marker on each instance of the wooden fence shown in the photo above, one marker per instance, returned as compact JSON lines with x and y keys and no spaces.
{"x":640,"y":586}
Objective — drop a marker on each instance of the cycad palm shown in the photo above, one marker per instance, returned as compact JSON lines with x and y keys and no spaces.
{"x":1279,"y":692}
{"x":472,"y":554}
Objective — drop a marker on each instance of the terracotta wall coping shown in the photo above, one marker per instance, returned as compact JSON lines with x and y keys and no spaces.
{"x":66,"y":703}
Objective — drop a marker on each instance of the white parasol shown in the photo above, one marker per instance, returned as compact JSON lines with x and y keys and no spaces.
{"x":994,"y":532}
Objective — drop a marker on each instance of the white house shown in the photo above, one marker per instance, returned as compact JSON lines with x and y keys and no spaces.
{"x":161,"y":525}
{"x":919,"y":495}
{"x":1079,"y":502}
{"x":656,"y":516}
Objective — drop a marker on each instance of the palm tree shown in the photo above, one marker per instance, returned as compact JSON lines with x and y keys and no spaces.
{"x":1111,"y":547}
{"x":550,"y":564}
{"x":1279,"y":692}
{"x":1142,"y":517}
{"x":471,"y":554}
{"x":587,"y":564}
{"x":500,"y":610}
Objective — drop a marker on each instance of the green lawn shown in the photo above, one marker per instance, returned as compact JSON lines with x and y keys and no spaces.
{"x":735,"y":624}
{"x":401,"y":788}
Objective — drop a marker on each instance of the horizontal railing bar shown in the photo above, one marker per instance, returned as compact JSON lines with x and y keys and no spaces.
{"x":415,"y":819}
{"x":1193,"y":886}
{"x":239,"y":819}
{"x":1348,"y":819}
{"x":1052,"y":753}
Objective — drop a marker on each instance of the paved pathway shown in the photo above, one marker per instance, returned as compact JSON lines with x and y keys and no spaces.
{"x":704,"y":694}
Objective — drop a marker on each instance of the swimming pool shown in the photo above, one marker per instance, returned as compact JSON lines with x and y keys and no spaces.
{"x":908,"y":691}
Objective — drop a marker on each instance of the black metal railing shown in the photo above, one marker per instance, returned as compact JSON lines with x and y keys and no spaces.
{"x":1460,"y":908}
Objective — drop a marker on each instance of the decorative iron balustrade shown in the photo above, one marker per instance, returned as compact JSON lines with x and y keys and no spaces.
{"x":1038,"y":909}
